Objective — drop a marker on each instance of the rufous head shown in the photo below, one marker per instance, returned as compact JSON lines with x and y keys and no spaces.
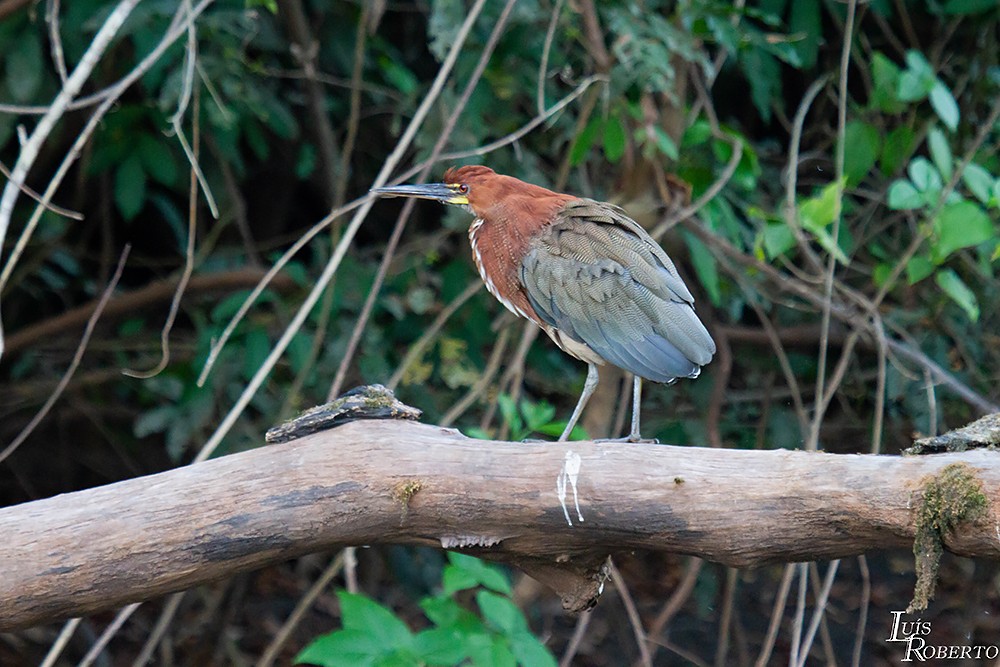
{"x":478,"y":188}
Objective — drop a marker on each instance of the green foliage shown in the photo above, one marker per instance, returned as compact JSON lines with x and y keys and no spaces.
{"x":528,"y":418}
{"x":497,"y":634}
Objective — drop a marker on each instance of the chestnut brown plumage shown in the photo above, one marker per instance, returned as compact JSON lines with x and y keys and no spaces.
{"x":583,"y":271}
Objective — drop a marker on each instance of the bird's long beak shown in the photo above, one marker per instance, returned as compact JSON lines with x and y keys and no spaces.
{"x":446,"y":193}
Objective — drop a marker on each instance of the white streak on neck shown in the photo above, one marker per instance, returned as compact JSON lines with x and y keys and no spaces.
{"x":477,"y":256}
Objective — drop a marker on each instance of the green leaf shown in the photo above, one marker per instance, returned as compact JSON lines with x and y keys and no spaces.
{"x":897,"y":148}
{"x":154,"y":421}
{"x":917,"y":80}
{"x":903,"y":196}
{"x":699,"y":132}
{"x":583,"y":142}
{"x":705,"y":266}
{"x":979,"y":181}
{"x":881,"y":273}
{"x":885,"y":83}
{"x":945,"y":105}
{"x":924,"y":176}
{"x":509,"y":413}
{"x":530,"y":652}
{"x":490,"y":651}
{"x":441,"y":609}
{"x":764,"y":74}
{"x":918,"y":268}
{"x":158,"y":160}
{"x":500,"y":612}
{"x":538,"y":414}
{"x":863,"y":143}
{"x":457,"y":579}
{"x":614,"y":140}
{"x":805,"y":19}
{"x":954,"y":287}
{"x":960,"y":225}
{"x":440,"y":646}
{"x":24,"y":67}
{"x":819,"y":212}
{"x":344,"y":647}
{"x":130,"y":187}
{"x":940,"y":152}
{"x":664,"y":143}
{"x":485,"y":574}
{"x":825,"y":239}
{"x":969,"y":6}
{"x":363,"y":614}
{"x":777,"y":239}
{"x":398,"y":75}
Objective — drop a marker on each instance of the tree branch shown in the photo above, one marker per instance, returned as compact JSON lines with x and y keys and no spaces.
{"x":128,"y":303}
{"x":383,"y":482}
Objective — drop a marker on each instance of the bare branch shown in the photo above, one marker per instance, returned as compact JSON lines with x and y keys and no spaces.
{"x":381,"y":482}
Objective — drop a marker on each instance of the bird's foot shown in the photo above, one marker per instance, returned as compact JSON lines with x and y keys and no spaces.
{"x":533,"y":440}
{"x":639,"y":440}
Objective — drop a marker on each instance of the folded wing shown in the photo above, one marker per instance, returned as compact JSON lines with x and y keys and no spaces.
{"x":600,"y":279}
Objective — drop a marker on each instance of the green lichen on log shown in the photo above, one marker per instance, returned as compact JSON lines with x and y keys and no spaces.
{"x":951,"y":497}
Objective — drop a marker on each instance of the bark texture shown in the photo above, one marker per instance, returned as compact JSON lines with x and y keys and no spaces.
{"x":556,"y":510}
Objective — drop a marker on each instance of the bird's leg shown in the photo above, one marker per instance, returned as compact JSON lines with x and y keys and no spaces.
{"x":634,"y":435}
{"x":588,"y":389}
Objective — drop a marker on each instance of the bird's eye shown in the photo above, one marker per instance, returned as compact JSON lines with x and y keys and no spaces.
{"x":464,"y":189}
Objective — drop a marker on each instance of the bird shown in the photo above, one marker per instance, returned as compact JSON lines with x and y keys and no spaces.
{"x":584,"y":272}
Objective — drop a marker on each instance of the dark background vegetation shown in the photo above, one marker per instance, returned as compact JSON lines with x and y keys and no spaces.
{"x":293,"y":109}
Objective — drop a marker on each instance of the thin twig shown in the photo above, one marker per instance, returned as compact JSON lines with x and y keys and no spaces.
{"x":824,"y":626}
{"x":354,"y":115}
{"x":792,"y":171}
{"x":675,"y":602}
{"x":800,"y":613}
{"x":334,"y":263}
{"x":633,"y":614}
{"x":175,"y":303}
{"x":305,"y":602}
{"x":58,"y":210}
{"x":866,"y":596}
{"x":708,"y":195}
{"x":931,"y":404}
{"x":404,"y":216}
{"x":777,"y":614}
{"x":543,"y":64}
{"x":160,"y":629}
{"x":781,"y":355}
{"x":60,"y":643}
{"x":818,"y":611}
{"x":74,"y":364}
{"x":55,"y":40}
{"x":172,"y":35}
{"x":95,"y":651}
{"x":477,"y":389}
{"x":812,"y":441}
{"x":430,"y":333}
{"x":725,"y":622}
{"x":351,"y":570}
{"x":30,"y":149}
{"x":574,"y":642}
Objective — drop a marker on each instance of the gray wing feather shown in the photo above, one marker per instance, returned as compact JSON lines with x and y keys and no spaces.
{"x":600,"y":279}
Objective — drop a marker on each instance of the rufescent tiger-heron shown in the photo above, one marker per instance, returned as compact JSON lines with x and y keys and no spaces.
{"x":583,"y":271}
